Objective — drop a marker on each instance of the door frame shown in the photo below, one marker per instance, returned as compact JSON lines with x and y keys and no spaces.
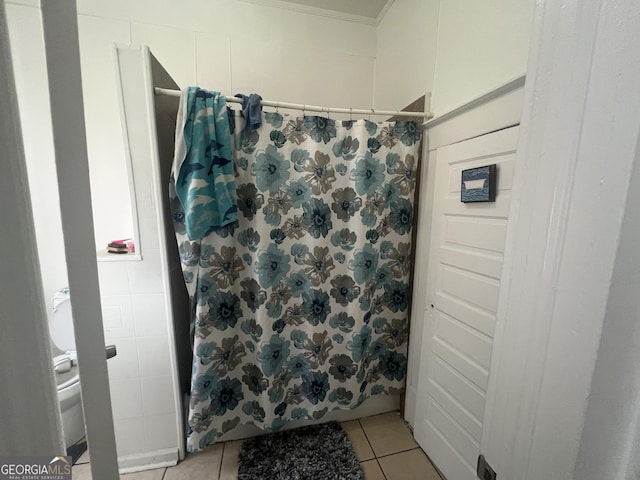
{"x":62,"y":55}
{"x":579,"y":141}
{"x":30,"y":416}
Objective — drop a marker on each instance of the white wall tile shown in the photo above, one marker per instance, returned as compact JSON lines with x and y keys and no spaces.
{"x":149,"y":314}
{"x":153,"y":356}
{"x":117,"y":317}
{"x":129,"y":436}
{"x":125,"y":363}
{"x":126,"y":398}
{"x":161,"y":431}
{"x":213,"y":66}
{"x":145,"y":196}
{"x":157,"y":395}
{"x":174,"y":48}
{"x":113,"y":278}
{"x":146,"y":276}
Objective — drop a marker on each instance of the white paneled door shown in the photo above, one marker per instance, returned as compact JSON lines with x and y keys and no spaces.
{"x":465,"y":263}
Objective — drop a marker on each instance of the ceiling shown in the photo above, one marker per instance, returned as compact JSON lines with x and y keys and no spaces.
{"x":364,"y":11}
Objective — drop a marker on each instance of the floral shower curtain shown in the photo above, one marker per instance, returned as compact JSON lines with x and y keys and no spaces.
{"x":300,"y":306}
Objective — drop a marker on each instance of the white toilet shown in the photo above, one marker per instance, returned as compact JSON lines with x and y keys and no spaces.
{"x":66,"y":366}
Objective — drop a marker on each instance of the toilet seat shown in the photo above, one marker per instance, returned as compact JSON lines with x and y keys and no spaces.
{"x":63,"y":339}
{"x":68,"y":378}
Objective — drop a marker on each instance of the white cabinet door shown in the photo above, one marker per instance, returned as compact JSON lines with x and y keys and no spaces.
{"x":465,"y":263}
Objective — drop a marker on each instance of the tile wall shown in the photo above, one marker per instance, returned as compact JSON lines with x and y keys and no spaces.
{"x":142,"y":387}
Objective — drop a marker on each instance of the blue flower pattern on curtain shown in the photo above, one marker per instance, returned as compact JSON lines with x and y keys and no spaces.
{"x":300,"y":307}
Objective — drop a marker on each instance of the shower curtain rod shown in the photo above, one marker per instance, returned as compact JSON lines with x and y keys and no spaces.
{"x":312,"y":108}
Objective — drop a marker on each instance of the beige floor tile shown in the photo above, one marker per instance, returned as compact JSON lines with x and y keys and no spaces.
{"x":155,"y":474}
{"x":204,"y":465}
{"x":84,"y":458}
{"x":359,"y":440}
{"x":387,"y":434}
{"x":81,"y":472}
{"x":372,"y":470}
{"x":230,"y":460}
{"x":411,"y":465}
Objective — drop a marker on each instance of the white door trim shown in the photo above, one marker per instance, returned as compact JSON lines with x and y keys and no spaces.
{"x":62,"y":53}
{"x":579,"y":137}
{"x":30,"y":413}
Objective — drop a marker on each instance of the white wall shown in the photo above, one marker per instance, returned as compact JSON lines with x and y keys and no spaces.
{"x":27,"y":45}
{"x":481,"y":45}
{"x":112,"y":209}
{"x":406,"y":53}
{"x":230,"y":46}
{"x":456,"y":49}
{"x":238,"y":47}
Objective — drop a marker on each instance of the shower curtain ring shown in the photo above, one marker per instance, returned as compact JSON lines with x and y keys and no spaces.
{"x":304,"y":108}
{"x":351,"y":114}
{"x":277,"y":107}
{"x":372,"y":112}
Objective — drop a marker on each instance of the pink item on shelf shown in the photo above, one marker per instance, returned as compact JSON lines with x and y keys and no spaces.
{"x":125,"y":245}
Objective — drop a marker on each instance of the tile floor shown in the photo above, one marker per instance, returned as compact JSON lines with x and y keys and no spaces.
{"x":383,"y":444}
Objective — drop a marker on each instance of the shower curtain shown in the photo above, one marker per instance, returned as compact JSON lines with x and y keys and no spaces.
{"x":300,"y":305}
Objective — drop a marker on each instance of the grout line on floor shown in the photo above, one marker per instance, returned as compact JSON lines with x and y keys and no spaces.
{"x":368,"y":441}
{"x":401,"y":451}
{"x":380,"y":466}
{"x":433,"y":465}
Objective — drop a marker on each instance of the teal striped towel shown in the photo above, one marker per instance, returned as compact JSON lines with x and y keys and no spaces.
{"x":203,"y":169}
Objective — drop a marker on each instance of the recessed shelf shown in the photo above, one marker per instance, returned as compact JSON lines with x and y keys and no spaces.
{"x":104,"y":256}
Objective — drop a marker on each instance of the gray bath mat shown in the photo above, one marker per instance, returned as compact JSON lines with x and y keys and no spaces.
{"x":317,"y":452}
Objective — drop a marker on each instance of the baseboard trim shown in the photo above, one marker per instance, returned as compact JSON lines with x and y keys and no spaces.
{"x":148,"y":461}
